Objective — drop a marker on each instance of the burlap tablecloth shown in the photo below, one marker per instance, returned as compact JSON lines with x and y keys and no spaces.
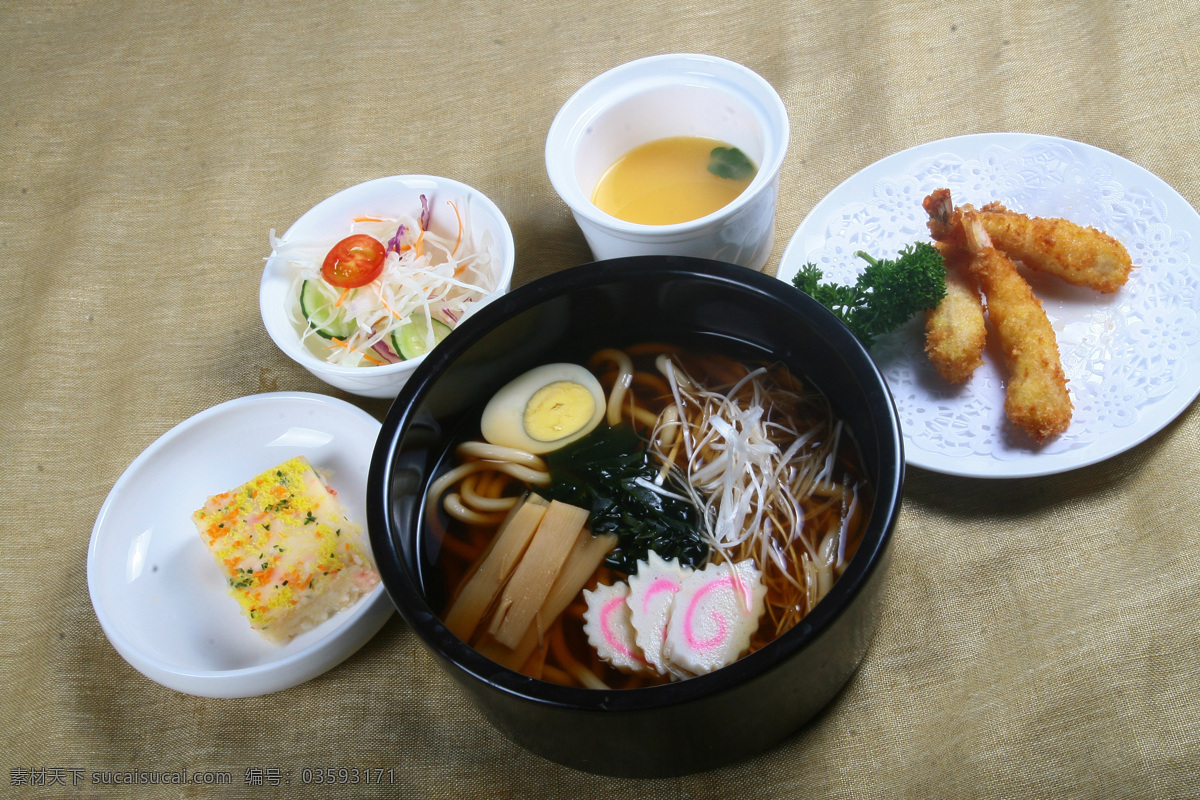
{"x":1040,"y":636}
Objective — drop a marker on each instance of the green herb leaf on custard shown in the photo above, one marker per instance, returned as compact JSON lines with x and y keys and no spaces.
{"x":729,"y":162}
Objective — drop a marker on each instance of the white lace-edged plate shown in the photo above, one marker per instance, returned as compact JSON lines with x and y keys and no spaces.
{"x":1132,"y":359}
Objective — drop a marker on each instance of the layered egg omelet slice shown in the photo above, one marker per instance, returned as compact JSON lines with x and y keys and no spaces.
{"x":290,"y":555}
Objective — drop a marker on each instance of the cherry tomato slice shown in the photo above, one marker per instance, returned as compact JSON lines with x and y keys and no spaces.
{"x":354,"y":261}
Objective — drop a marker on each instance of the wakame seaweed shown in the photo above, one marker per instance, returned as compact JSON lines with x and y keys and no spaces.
{"x":607,"y":472}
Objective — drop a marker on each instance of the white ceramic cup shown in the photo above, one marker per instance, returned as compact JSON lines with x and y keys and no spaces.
{"x":658,"y":97}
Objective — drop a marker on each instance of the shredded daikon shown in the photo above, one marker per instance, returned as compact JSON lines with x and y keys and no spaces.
{"x":427,"y":275}
{"x":750,"y":472}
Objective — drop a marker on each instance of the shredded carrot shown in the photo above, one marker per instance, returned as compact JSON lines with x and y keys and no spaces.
{"x":460,"y":229}
{"x":341,"y":298}
{"x":384,"y":303}
{"x":419,"y":245}
{"x":367,"y":356}
{"x":367,"y":219}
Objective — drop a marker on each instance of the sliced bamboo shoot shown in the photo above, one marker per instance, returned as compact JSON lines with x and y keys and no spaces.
{"x":488,"y":576}
{"x":534,"y":576}
{"x":585,"y":559}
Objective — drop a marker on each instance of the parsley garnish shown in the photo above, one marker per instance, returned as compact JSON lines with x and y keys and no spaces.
{"x":887,"y":293}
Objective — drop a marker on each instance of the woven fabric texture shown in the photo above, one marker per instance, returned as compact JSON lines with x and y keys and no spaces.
{"x":1041,"y":635}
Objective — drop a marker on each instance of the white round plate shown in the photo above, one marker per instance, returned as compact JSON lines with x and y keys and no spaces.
{"x":157,"y":594}
{"x":1132,"y":358}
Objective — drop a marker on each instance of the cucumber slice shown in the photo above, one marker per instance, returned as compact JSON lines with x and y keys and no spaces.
{"x":317,"y":304}
{"x":409,"y":339}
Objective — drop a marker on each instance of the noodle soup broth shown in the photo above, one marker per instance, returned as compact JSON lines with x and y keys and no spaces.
{"x":751,"y":461}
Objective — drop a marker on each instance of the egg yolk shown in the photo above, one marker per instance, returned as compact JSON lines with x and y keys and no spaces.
{"x":558,"y":409}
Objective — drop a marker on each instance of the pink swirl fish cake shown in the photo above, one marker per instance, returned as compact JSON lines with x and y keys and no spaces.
{"x":609,"y":629}
{"x":715,"y":613}
{"x":651,"y":598}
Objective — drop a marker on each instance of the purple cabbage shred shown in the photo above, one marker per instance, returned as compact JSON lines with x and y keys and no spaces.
{"x":393,"y":244}
{"x":425,"y":214}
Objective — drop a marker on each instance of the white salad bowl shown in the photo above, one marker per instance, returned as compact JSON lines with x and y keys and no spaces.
{"x":329,"y":221}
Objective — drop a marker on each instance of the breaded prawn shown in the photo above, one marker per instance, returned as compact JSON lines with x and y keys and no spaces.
{"x":945,"y":221}
{"x":1036,"y":398}
{"x":1080,"y":255}
{"x":955,"y":332}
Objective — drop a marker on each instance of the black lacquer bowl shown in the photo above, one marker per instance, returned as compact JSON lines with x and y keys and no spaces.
{"x":702,"y":722}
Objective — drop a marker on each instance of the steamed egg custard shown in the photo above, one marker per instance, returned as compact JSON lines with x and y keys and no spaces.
{"x":544,"y":409}
{"x":671,"y":180}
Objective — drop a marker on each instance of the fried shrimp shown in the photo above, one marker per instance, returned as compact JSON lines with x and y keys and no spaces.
{"x":955,"y":333}
{"x":1077,"y":254}
{"x":1080,"y":255}
{"x":1036,"y":398}
{"x":945,"y":221}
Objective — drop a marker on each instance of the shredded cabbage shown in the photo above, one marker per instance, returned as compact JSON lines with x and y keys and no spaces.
{"x":427,"y":275}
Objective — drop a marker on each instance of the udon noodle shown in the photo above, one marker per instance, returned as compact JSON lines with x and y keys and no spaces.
{"x":772,"y":474}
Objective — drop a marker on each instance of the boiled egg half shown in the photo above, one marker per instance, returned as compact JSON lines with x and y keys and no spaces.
{"x":545,"y":408}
